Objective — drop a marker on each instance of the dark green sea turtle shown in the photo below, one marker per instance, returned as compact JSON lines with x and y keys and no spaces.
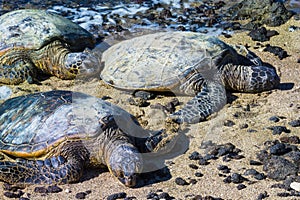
{"x":186,"y":63}
{"x":50,"y":137}
{"x":36,"y":39}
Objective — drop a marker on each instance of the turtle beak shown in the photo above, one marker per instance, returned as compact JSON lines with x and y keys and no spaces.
{"x":129,"y":181}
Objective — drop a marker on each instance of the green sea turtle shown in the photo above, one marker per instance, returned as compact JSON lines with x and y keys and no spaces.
{"x":50,"y":137}
{"x":186,"y":63}
{"x":36,"y":39}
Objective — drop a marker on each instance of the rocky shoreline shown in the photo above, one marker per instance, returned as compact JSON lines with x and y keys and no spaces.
{"x":248,"y":150}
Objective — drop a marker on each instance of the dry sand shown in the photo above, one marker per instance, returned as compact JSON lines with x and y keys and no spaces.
{"x":279,"y":102}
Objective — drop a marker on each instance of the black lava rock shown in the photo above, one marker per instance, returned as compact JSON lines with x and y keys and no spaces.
{"x":40,"y":190}
{"x":195,"y":156}
{"x":277,"y":51}
{"x":54,"y":189}
{"x":13,"y":194}
{"x":279,"y":149}
{"x":144,"y":95}
{"x":262,"y":34}
{"x":241,"y":186}
{"x":198,"y":174}
{"x":120,"y":195}
{"x":259,"y":176}
{"x":295,"y":123}
{"x":251,"y":172}
{"x":269,"y":12}
{"x":229,"y":123}
{"x":193,"y":166}
{"x":180,"y":181}
{"x":291,"y":139}
{"x":152,"y":195}
{"x":262,"y":196}
{"x":237,"y":178}
{"x":274,"y":119}
{"x":82,"y":195}
{"x":277,"y":130}
{"x":278,"y":168}
{"x":254,"y":162}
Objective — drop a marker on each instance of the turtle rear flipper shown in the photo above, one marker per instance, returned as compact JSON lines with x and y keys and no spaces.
{"x":17,"y":72}
{"x":210,"y":99}
{"x":56,"y":169}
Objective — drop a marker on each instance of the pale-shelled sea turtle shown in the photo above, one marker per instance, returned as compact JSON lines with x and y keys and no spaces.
{"x":186,"y":63}
{"x":50,"y":137}
{"x":32,"y":40}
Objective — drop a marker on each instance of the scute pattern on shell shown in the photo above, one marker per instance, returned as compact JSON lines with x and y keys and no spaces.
{"x":158,"y":61}
{"x":30,"y":123}
{"x":32,"y":29}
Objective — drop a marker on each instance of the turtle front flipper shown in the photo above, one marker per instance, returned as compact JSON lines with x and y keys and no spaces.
{"x":210,"y":99}
{"x":17,"y":72}
{"x":53,"y":170}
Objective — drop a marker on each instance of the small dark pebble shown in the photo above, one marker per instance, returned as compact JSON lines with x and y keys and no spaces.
{"x":193,"y":166}
{"x":24,"y":198}
{"x":274,"y":119}
{"x":224,"y":169}
{"x":54,"y":189}
{"x":254,"y":162}
{"x":259,"y":176}
{"x":295,"y":123}
{"x":198,"y":174}
{"x":129,"y":198}
{"x":203,"y":161}
{"x":237,"y":178}
{"x":195,"y":156}
{"x":227,"y":179}
{"x":138,"y":102}
{"x":277,"y":130}
{"x":241,"y":186}
{"x":279,"y":149}
{"x":120,"y":195}
{"x":193,"y":181}
{"x":251,"y":172}
{"x":291,"y":139}
{"x":243,"y":126}
{"x":199,"y":197}
{"x":180,"y":181}
{"x":277,"y":51}
{"x":278,"y":185}
{"x":13,"y":194}
{"x":9,"y":187}
{"x":262,"y":196}
{"x":82,"y":195}
{"x":262,"y":34}
{"x":40,"y":190}
{"x":165,"y":195}
{"x":229,"y":123}
{"x":152,"y":195}
{"x":251,"y":130}
{"x":144,"y":95}
{"x":283,"y":194}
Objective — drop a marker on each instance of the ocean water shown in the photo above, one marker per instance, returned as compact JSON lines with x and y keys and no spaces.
{"x":132,"y":15}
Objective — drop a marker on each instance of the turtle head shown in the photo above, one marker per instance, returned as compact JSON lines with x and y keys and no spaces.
{"x":125,"y":163}
{"x":83,"y":64}
{"x":250,"y":78}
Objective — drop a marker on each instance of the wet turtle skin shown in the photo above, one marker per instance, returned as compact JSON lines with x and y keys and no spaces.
{"x":51,"y":137}
{"x":186,"y":63}
{"x":34,"y":41}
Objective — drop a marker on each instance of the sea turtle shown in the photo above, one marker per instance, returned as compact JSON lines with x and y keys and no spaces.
{"x":36,"y":39}
{"x":186,"y":63}
{"x":49,"y":137}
